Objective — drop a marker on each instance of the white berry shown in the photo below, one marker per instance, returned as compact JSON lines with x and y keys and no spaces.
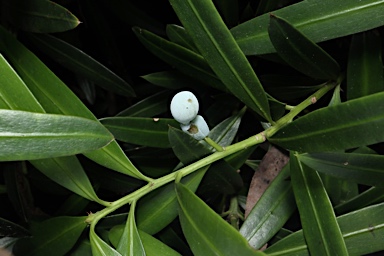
{"x":199,"y":128}
{"x":184,"y":107}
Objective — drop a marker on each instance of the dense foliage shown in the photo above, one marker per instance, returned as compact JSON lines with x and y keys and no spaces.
{"x":92,"y":162}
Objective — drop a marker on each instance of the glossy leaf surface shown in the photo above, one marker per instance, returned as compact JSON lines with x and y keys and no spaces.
{"x":354,"y":232}
{"x":28,"y":136}
{"x":271,"y":212}
{"x":206,"y":232}
{"x":40,"y":16}
{"x":365,"y":66}
{"x":318,"y":20}
{"x":81,"y":63}
{"x":300,"y":52}
{"x":55,"y":236}
{"x":220,"y":50}
{"x":361,"y":168}
{"x":354,"y":123}
{"x":152,"y":132}
{"x":321,"y":230}
{"x":100,"y":247}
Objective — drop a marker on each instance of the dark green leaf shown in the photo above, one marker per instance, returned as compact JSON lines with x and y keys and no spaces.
{"x":367,"y":231}
{"x":186,"y":148}
{"x":72,"y":206}
{"x":152,"y":132}
{"x":171,"y":237}
{"x":365,"y":67}
{"x":55,"y":236}
{"x":223,"y":55}
{"x":100,"y":247}
{"x":350,"y":124}
{"x":185,"y":60}
{"x":28,"y":136}
{"x":180,"y":36}
{"x":172,"y":80}
{"x":271,"y":212}
{"x":46,"y":87}
{"x":300,"y":52}
{"x":130,"y":243}
{"x":321,"y":230}
{"x":149,"y":107}
{"x":206,"y":232}
{"x":39,"y":16}
{"x":158,"y":209}
{"x":10,"y":229}
{"x":68,"y":172}
{"x":82,"y":64}
{"x":318,"y":20}
{"x":361,"y":168}
{"x":229,"y":10}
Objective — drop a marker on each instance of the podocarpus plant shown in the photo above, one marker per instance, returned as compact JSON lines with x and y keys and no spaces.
{"x":151,"y":189}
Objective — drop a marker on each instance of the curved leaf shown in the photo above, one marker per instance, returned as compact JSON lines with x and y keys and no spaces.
{"x":173,"y":80}
{"x":179,"y":35}
{"x":55,"y":236}
{"x":321,"y":230}
{"x":206,"y":232}
{"x":361,"y":168}
{"x":365,"y":67}
{"x":300,"y":52}
{"x":271,"y":212}
{"x":100,"y":247}
{"x":152,"y":132}
{"x":369,"y":230}
{"x":220,"y":50}
{"x":39,"y":16}
{"x":130,"y":243}
{"x":82,"y":64}
{"x":318,"y":20}
{"x":28,"y":136}
{"x":55,"y":97}
{"x":350,"y":124}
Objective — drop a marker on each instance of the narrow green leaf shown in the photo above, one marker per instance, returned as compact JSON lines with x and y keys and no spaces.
{"x":365,"y":67}
{"x":39,"y":16}
{"x":130,"y":243}
{"x":55,"y":236}
{"x":82,"y":64}
{"x":171,"y":237}
{"x":152,"y":106}
{"x":68,"y":172}
{"x":370,"y":196}
{"x":222,"y":53}
{"x":300,"y":52}
{"x":361,"y":168}
{"x":100,"y":247}
{"x":318,"y":20}
{"x":201,"y":224}
{"x":158,"y":209}
{"x":11,"y":229}
{"x":55,"y":97}
{"x":368,"y":231}
{"x":179,"y":35}
{"x":354,"y":123}
{"x":183,"y":59}
{"x":271,"y":212}
{"x":152,"y":132}
{"x":186,"y":148}
{"x":173,"y":80}
{"x":28,"y":136}
{"x":321,"y":230}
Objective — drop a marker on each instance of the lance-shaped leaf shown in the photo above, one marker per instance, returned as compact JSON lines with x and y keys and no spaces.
{"x":130,"y":243}
{"x":271,"y":212}
{"x":180,"y":36}
{"x":55,"y":236}
{"x":222,"y":53}
{"x":100,"y":247}
{"x":369,"y":231}
{"x":183,"y":59}
{"x":206,"y":232}
{"x":173,"y":80}
{"x":152,"y":132}
{"x":82,"y":64}
{"x":28,"y":136}
{"x":365,"y":67}
{"x":55,"y":97}
{"x":361,"y":168}
{"x":318,"y":20}
{"x":39,"y":16}
{"x":354,"y":123}
{"x":321,"y":230}
{"x":300,"y":52}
